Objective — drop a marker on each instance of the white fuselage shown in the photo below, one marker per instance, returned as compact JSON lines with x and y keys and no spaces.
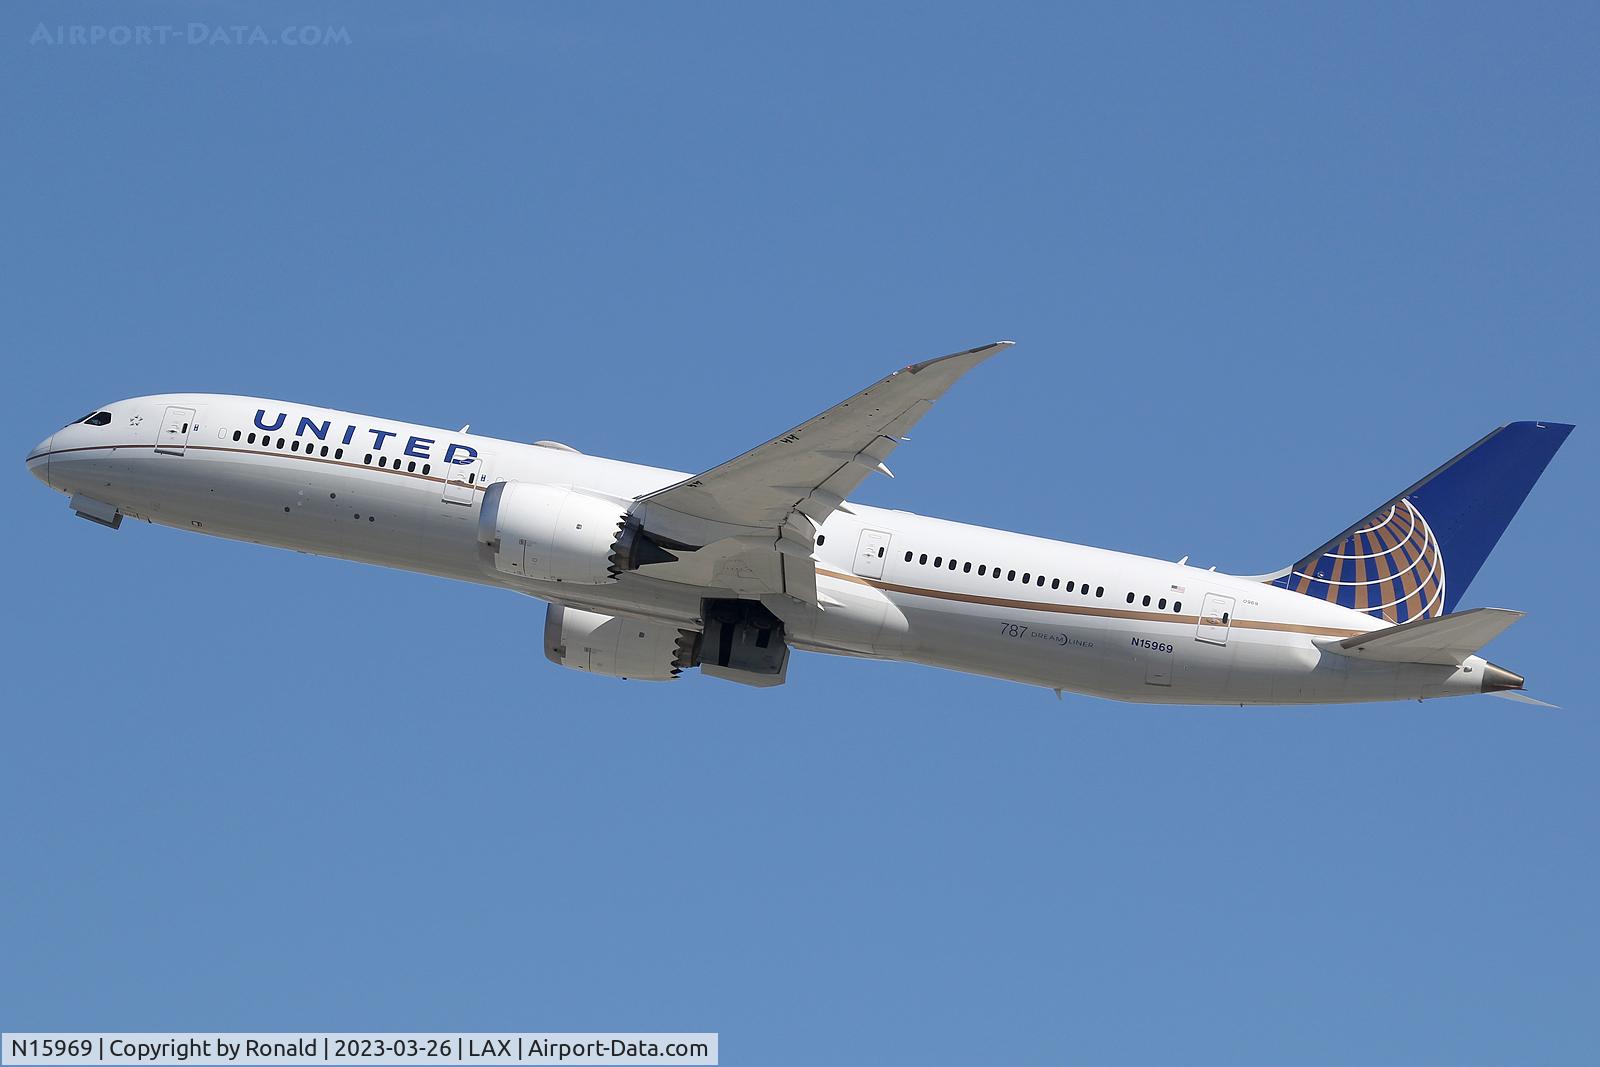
{"x":1099,"y":622}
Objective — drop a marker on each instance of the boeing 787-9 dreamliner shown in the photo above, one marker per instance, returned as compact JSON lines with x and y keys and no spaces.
{"x":650,"y":572}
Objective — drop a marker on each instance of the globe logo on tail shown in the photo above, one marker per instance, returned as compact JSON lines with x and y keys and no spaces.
{"x":1390,"y":567}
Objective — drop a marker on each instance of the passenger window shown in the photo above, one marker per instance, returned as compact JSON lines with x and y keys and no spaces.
{"x":880,"y":548}
{"x":1146,"y":600}
{"x":1224,"y":618}
{"x":966,"y":568}
{"x":1040,"y":581}
{"x":1011,"y":576}
{"x":280,"y":443}
{"x":1099,"y":590}
{"x":294,"y":446}
{"x":908,"y":557}
{"x":1130,"y":598}
{"x":983,"y":568}
{"x":1177,"y":606}
{"x":1026,"y":578}
{"x":338,"y":453}
{"x":1163,"y":604}
{"x":1055,"y":583}
{"x":820,"y":537}
{"x":922,"y":560}
{"x":368,"y":460}
{"x":938,"y":561}
{"x":383,"y":461}
{"x":411,"y":466}
{"x":952,"y":564}
{"x":237,"y":435}
{"x":1071,"y":586}
{"x":252,"y":439}
{"x":323,"y":451}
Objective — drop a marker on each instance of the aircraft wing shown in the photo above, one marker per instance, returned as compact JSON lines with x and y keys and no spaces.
{"x":749,"y":525}
{"x":813,"y":467}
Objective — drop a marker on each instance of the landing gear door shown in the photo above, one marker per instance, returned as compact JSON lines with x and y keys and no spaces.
{"x":1216,"y":616}
{"x":463,"y":480}
{"x":870,"y":553}
{"x":174,"y":434}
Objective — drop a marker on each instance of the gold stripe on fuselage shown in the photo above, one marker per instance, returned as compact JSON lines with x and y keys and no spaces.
{"x":1080,"y":609}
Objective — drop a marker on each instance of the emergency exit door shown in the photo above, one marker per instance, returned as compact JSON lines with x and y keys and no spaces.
{"x":870,"y":553}
{"x":175,"y":427}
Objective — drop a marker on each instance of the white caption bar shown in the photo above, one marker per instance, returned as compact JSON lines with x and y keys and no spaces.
{"x":346,"y":1050}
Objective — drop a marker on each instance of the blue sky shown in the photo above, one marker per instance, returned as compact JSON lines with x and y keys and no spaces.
{"x":1265,"y":268}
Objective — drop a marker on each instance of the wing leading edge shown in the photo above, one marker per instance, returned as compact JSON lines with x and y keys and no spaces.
{"x":814,"y":466}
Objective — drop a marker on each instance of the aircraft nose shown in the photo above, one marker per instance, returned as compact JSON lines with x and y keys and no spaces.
{"x":39,"y":460}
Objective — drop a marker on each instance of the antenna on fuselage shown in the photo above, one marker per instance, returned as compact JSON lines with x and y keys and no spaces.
{"x":465,"y":428}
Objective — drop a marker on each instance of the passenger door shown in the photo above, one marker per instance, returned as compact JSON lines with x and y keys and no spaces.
{"x":1216,"y":616}
{"x":174,"y":435}
{"x":463,"y":480}
{"x":870,"y":553}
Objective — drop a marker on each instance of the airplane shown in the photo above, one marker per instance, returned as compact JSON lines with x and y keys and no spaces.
{"x":650,"y":572}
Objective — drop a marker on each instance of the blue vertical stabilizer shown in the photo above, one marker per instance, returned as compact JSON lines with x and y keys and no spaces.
{"x":1414,"y":557}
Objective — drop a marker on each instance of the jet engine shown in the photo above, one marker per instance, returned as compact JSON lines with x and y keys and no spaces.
{"x":555,"y":533}
{"x":617,"y":646}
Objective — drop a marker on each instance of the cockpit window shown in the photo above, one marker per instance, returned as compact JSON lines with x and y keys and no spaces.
{"x":99,"y":418}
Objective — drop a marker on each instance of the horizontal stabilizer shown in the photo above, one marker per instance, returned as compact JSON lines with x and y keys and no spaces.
{"x":1524,"y":698}
{"x":1448,"y":639}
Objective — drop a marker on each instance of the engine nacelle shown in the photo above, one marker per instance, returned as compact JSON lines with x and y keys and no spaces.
{"x":617,"y":645}
{"x":552,"y":533}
